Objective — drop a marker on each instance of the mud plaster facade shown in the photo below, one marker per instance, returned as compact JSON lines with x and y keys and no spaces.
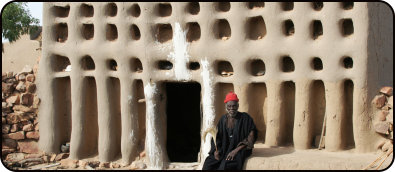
{"x":292,"y":63}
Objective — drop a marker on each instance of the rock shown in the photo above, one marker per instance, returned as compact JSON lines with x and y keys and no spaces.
{"x":382,"y":127}
{"x":8,"y":144}
{"x":5,"y":129}
{"x":70,"y":163}
{"x":390,"y":102}
{"x":115,"y":165}
{"x":94,"y":164}
{"x":27,"y":69}
{"x":30,"y":87}
{"x":30,"y":77}
{"x":386,"y":90}
{"x":46,"y":158}
{"x":61,"y":156}
{"x":20,"y":77}
{"x":36,"y":155}
{"x":386,"y":107}
{"x":36,"y":101}
{"x":21,"y":87}
{"x":28,"y":127}
{"x":82,"y":164}
{"x":16,"y":136}
{"x":379,"y":101}
{"x":23,"y":108}
{"x":14,"y":157}
{"x":33,"y":135}
{"x":3,"y":120}
{"x":137,"y":165}
{"x":104,"y":165}
{"x":382,"y":115}
{"x":4,"y":152}
{"x":7,"y":88}
{"x":390,"y":116}
{"x":28,"y":146}
{"x":53,"y":156}
{"x":14,"y":128}
{"x":3,"y":105}
{"x":27,"y":99}
{"x":387,"y":145}
{"x":16,"y":117}
{"x":36,"y":128}
{"x":12,"y":100}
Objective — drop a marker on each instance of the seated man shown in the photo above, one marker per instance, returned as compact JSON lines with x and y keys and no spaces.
{"x":235,"y":138}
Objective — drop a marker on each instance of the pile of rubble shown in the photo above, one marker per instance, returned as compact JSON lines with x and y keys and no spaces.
{"x":384,"y":115}
{"x":383,"y":123}
{"x":19,"y":112}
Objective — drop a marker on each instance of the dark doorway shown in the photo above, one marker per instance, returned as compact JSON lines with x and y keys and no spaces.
{"x":183,"y":121}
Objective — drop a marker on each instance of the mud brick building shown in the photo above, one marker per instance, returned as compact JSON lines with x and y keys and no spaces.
{"x":118,"y":78}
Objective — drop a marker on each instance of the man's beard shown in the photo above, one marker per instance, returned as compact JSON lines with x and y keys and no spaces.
{"x":232,"y":115}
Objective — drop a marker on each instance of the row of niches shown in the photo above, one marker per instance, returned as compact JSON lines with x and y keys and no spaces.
{"x":165,"y":9}
{"x":255,"y":27}
{"x":62,"y":64}
{"x":256,"y":67}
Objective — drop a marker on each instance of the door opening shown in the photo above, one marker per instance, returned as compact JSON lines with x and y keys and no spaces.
{"x":183,"y":121}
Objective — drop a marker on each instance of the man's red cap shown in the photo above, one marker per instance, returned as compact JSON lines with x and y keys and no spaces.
{"x":231,"y":97}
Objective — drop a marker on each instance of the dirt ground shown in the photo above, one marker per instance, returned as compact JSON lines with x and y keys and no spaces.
{"x":263,"y":158}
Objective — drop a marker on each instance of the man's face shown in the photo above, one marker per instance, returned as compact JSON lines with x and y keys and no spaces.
{"x":231,"y":108}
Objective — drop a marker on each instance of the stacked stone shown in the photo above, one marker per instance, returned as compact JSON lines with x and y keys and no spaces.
{"x":20,"y":131}
{"x":384,"y":117}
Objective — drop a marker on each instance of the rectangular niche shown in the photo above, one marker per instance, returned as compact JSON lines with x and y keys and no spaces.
{"x":59,"y":11}
{"x":138,"y":92}
{"x":317,"y":29}
{"x":59,"y":63}
{"x":111,"y":32}
{"x":256,"y":28}
{"x":114,"y":100}
{"x":164,"y":32}
{"x":60,"y":32}
{"x":287,"y":112}
{"x":221,"y":90}
{"x":347,"y":27}
{"x":90,"y":117}
{"x":317,"y":108}
{"x":347,"y":122}
{"x":61,"y":91}
{"x":87,"y":31}
{"x":257,"y":96}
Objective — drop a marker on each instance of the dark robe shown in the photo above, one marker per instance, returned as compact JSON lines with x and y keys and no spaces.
{"x":244,"y":125}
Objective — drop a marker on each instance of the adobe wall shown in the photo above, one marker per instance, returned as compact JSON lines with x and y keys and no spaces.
{"x":20,"y":53}
{"x":291,"y":64}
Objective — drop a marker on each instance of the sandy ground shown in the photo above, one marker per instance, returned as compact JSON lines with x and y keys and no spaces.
{"x":287,"y":158}
{"x":276,"y":158}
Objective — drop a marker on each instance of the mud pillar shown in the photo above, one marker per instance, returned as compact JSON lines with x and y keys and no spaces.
{"x":273,"y":137}
{"x":362,"y":124}
{"x":106,"y":139}
{"x":302,"y":132}
{"x":242,"y":94}
{"x":154,"y":141}
{"x":334,"y":115}
{"x":78,"y":116}
{"x":129,"y":120}
{"x":49,"y":134}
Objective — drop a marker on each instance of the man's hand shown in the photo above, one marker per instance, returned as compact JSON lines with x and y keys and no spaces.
{"x":232,"y":155}
{"x":216,"y":155}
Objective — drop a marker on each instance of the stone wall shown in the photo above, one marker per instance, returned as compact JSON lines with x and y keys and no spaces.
{"x":20,"y":132}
